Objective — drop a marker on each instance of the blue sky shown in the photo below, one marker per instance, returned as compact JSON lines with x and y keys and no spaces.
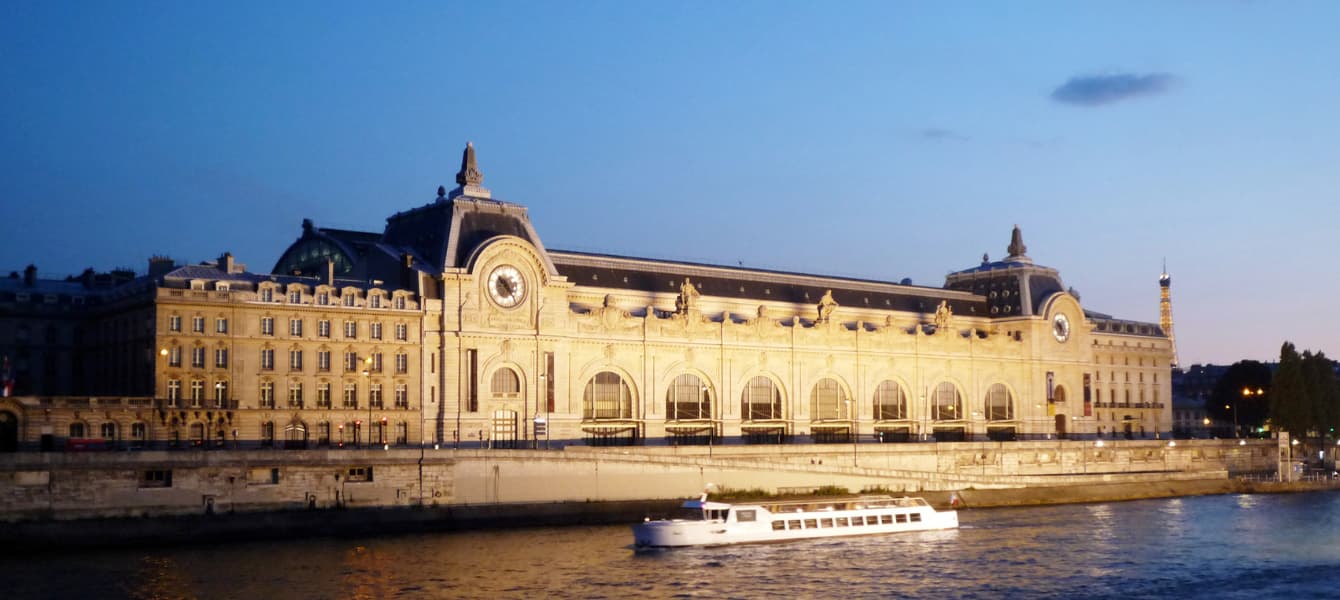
{"x":879,"y":140}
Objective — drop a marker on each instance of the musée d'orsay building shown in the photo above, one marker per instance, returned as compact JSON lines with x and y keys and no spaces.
{"x":455,"y":325}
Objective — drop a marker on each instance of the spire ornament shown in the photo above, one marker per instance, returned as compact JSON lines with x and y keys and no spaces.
{"x":469,"y":178}
{"x":469,"y":174}
{"x":1017,"y":250}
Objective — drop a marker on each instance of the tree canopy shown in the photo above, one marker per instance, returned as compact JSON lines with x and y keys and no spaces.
{"x":1240,"y":395}
{"x":1305,"y":398}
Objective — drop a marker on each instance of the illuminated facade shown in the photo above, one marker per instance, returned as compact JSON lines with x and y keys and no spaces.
{"x":456,"y":326}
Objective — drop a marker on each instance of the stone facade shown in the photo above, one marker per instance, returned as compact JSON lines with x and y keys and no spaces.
{"x":473,"y":334}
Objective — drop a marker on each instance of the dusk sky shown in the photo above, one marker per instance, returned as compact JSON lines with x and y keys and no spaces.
{"x":877,"y":140}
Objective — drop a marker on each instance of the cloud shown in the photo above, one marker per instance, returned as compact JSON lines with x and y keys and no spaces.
{"x":1095,"y":90}
{"x":941,"y":135}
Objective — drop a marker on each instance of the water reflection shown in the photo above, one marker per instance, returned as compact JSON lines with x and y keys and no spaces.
{"x":1204,"y":547}
{"x":159,"y":578}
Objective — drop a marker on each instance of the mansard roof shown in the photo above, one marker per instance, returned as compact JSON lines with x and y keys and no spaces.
{"x":1013,"y":286}
{"x":662,"y":276}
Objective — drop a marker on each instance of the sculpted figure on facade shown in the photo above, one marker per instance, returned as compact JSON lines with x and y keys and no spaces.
{"x":942,"y":315}
{"x":688,"y":298}
{"x":826,"y":307}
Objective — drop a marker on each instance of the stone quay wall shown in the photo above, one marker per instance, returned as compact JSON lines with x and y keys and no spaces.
{"x":43,"y":487}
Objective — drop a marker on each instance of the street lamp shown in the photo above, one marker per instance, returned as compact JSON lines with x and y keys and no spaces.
{"x":1292,"y":443}
{"x":367,"y":371}
{"x":851,"y":415}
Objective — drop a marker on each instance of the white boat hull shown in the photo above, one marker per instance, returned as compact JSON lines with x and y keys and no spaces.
{"x":762,"y":525}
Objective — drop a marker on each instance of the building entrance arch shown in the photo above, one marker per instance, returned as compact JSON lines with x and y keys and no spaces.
{"x":9,"y":431}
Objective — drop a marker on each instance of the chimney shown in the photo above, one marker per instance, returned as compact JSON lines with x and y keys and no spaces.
{"x":226,"y":262}
{"x":407,"y":271}
{"x":30,"y":275}
{"x":160,"y":266}
{"x":330,"y":272}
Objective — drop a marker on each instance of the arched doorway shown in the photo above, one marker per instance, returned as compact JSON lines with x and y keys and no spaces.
{"x":1060,"y":427}
{"x":9,"y":431}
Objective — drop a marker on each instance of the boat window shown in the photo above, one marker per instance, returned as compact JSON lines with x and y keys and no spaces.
{"x":916,"y":517}
{"x":745,"y":516}
{"x":886,"y":519}
{"x":842,"y":521}
{"x":778,"y":525}
{"x":825,"y":522}
{"x":902,"y":518}
{"x":793,"y":524}
{"x":811,"y":524}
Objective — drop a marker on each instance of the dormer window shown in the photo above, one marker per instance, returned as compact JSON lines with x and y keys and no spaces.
{"x":375,"y":301}
{"x":267,"y":294}
{"x":295,"y":296}
{"x":349,"y":299}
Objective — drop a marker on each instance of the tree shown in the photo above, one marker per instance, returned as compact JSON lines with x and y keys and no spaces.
{"x":1240,"y":395}
{"x":1289,"y":396}
{"x":1323,"y":392}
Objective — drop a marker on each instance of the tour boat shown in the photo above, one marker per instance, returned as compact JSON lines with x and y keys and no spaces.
{"x":707,"y":523}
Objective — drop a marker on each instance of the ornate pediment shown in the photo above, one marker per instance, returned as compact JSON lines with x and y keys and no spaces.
{"x":609,"y":318}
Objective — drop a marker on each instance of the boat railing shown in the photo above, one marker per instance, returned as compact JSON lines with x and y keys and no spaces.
{"x":857,"y":503}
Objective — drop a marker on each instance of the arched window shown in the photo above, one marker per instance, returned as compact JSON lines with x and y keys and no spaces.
{"x":999,"y":403}
{"x":688,"y":399}
{"x":890,"y":401}
{"x":946,"y":402}
{"x":761,"y":400}
{"x":295,"y":435}
{"x":109,"y":431}
{"x":1058,"y":394}
{"x":506,"y":383}
{"x":77,"y":430}
{"x":607,"y":396}
{"x":198,"y":434}
{"x":827,"y":401}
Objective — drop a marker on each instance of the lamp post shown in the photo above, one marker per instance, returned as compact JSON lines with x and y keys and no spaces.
{"x":1247,"y":392}
{"x":367,"y":381}
{"x":851,"y":416}
{"x":1293,"y":442}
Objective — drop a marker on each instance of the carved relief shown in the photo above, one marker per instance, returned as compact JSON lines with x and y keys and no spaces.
{"x":764,"y":326}
{"x":608,"y":318}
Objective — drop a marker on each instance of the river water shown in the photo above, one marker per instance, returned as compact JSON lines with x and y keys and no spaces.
{"x":1230,"y":546}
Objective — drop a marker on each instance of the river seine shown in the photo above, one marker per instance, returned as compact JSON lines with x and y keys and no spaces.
{"x":1232,"y":546}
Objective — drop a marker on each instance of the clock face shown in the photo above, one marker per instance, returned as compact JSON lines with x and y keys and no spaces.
{"x":506,"y":286}
{"x":1061,"y":328}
